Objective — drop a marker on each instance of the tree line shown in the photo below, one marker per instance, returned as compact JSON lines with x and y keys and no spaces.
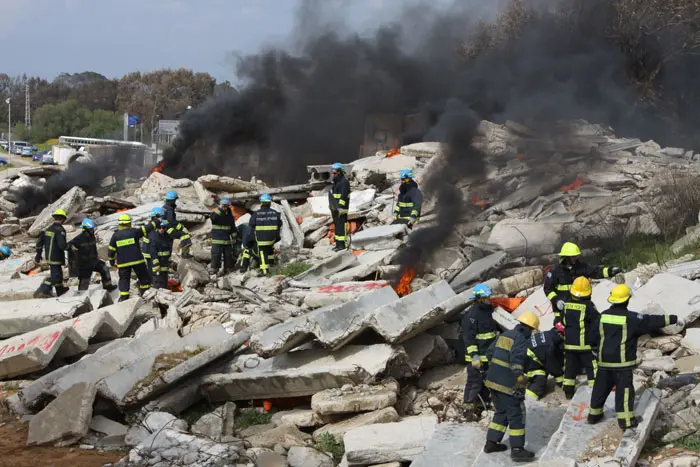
{"x":89,"y":104}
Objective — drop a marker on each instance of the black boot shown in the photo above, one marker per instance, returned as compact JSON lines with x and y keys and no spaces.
{"x":569,"y":392}
{"x":593,"y":419}
{"x":340,"y":246}
{"x":521,"y":455}
{"x":123,"y":298}
{"x":492,"y":446}
{"x":41,"y":294}
{"x":110,"y":288}
{"x":60,"y":290}
{"x":633,"y":423}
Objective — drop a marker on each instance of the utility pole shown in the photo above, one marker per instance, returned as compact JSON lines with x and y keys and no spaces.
{"x":9,"y":127}
{"x":27,"y":108}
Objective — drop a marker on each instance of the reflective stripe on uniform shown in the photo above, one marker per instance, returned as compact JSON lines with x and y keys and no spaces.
{"x":531,"y":394}
{"x":500,"y":362}
{"x":505,"y":343}
{"x":132,"y":263}
{"x":533,"y":373}
{"x":563,"y":287}
{"x":265,"y":227}
{"x":551,"y":295}
{"x":472,"y":349}
{"x":221,"y":242}
{"x":593,"y":411}
{"x":485,"y":335}
{"x":616,"y":321}
{"x":126,"y":242}
{"x":497,"y":427}
{"x":517,"y":432}
{"x":606,"y":273}
{"x":221,"y":227}
{"x":569,"y":382}
{"x":498,"y":387}
{"x":405,"y":205}
{"x":531,"y":354}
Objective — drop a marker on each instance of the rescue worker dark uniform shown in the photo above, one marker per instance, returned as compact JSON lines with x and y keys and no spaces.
{"x":245,"y":233}
{"x":506,"y":379}
{"x":558,"y":280}
{"x":409,"y":202}
{"x":84,"y":249}
{"x":617,"y":332}
{"x":265,"y":224}
{"x":124,"y":251}
{"x":160,"y":247}
{"x":176,"y":229}
{"x":339,"y":203}
{"x":545,"y":356}
{"x":479,"y":331}
{"x":53,"y":243}
{"x":223,"y":233}
{"x":578,"y":317}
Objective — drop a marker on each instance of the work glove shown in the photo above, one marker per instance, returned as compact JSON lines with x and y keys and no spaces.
{"x":615,"y":271}
{"x":678,"y":321}
{"x":560,"y":305}
{"x":520,"y":382}
{"x":476,"y":364}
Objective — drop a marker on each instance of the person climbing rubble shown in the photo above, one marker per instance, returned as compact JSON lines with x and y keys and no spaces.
{"x":578,"y":316}
{"x":124,"y":252}
{"x":557,"y":282}
{"x":83,"y":248}
{"x":409,"y":202}
{"x":223,"y":237}
{"x":265,"y":224}
{"x":339,"y":203}
{"x":479,"y":331}
{"x":160,"y":249}
{"x":545,"y":357}
{"x":5,"y":252}
{"x":156,"y":214}
{"x":506,"y":379}
{"x":616,"y":332}
{"x":176,"y":229}
{"x":53,"y":243}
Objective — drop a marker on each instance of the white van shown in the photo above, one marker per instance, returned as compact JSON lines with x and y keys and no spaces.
{"x":17,"y":146}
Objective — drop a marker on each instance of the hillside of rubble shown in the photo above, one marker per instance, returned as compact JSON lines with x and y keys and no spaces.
{"x":355,"y":357}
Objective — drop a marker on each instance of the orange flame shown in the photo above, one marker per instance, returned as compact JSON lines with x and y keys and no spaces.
{"x":393,"y":152}
{"x":34,"y":271}
{"x":403,"y":287}
{"x":575,"y":185}
{"x":477,"y":201}
{"x":121,"y":210}
{"x":159,"y":167}
{"x":174,"y":286}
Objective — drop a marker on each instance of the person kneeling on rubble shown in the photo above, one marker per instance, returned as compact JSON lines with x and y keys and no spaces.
{"x":53,"y":242}
{"x":84,"y":249}
{"x":124,"y":252}
{"x":339,"y":204}
{"x":559,"y":279}
{"x":223,"y":236}
{"x":409,"y":202}
{"x":265,"y":224}
{"x":616,"y":332}
{"x":176,"y":229}
{"x":506,"y":379}
{"x":160,"y":248}
{"x":479,"y":331}
{"x":545,"y":356}
{"x":578,"y":316}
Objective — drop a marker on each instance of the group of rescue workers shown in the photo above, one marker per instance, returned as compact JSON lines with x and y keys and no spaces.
{"x":146,"y":250}
{"x":504,"y":368}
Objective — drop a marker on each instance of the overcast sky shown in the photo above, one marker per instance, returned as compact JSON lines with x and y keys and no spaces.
{"x":113,"y":37}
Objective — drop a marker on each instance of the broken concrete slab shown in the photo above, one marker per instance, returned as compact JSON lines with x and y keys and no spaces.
{"x":104,"y":425}
{"x":689,"y":270}
{"x":522,"y":281}
{"x":297,"y":234}
{"x":338,"y":429}
{"x":427,"y":149}
{"x":477,"y":270}
{"x":336,"y":401}
{"x":19,"y":317}
{"x":368,"y":263}
{"x":65,"y":420}
{"x":20,"y":289}
{"x":359,"y":200}
{"x":378,"y":238}
{"x":538,"y":303}
{"x":192,"y":273}
{"x":402,"y":441}
{"x":301,"y":418}
{"x":522,"y":237}
{"x":71,"y":202}
{"x":121,"y":387}
{"x":668,"y":294}
{"x":97,"y":296}
{"x":320,"y":273}
{"x":332,"y":326}
{"x":601,"y":292}
{"x":285,"y":435}
{"x":427,"y":351}
{"x":302,"y":456}
{"x":337,"y":294}
{"x":228,"y":184}
{"x":452,"y":445}
{"x":633,"y":440}
{"x":304,"y":372}
{"x":691,"y":339}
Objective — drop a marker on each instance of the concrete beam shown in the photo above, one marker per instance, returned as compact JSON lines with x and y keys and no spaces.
{"x":19,"y":317}
{"x":452,"y":445}
{"x":321,"y":272}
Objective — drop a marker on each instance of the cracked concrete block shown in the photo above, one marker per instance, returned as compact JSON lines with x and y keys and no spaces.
{"x":538,"y":303}
{"x":376,"y":238}
{"x":368,"y":263}
{"x":452,"y":445}
{"x":477,"y":270}
{"x":668,"y":294}
{"x":335,"y":401}
{"x":71,"y":202}
{"x":19,"y":317}
{"x":633,"y":440}
{"x":522,"y":237}
{"x":322,"y":271}
{"x":65,"y":420}
{"x":338,"y":429}
{"x":359,"y":200}
{"x":20,"y":289}
{"x":337,"y":294}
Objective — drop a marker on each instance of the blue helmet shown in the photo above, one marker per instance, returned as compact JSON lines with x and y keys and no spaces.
{"x":88,"y":224}
{"x":225,"y":202}
{"x":266,"y":198}
{"x":481,"y":291}
{"x":337,"y":166}
{"x":5,"y":250}
{"x":171,"y":195}
{"x":164,"y":224}
{"x":157,"y":212}
{"x":406,"y":173}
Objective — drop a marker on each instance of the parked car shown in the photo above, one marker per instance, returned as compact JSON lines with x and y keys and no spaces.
{"x":38,"y":155}
{"x":47,"y":159}
{"x":27,"y":151}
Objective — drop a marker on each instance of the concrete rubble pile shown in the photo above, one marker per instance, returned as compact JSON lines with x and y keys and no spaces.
{"x":328,"y":361}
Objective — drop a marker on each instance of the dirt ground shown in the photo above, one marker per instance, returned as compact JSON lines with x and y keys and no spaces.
{"x":14,"y":453}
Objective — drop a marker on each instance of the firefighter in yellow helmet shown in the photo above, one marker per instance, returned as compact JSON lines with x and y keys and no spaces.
{"x":578,"y":316}
{"x":507,"y":380}
{"x":53,"y":243}
{"x":557,"y":282}
{"x":125,"y":253}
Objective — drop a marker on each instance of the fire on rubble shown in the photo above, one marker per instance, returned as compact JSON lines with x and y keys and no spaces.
{"x":159,"y":168}
{"x":575,"y":185}
{"x":393,"y":152}
{"x":403,"y":286}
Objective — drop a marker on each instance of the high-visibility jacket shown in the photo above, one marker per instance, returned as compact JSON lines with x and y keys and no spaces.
{"x":223,"y":227}
{"x":339,"y":196}
{"x":578,"y":318}
{"x":409,"y":202}
{"x":508,"y":361}
{"x":54,"y":244}
{"x":557,"y":282}
{"x":266,"y":224}
{"x":84,"y":247}
{"x":479,"y":331}
{"x":617,"y":330}
{"x":160,"y":248}
{"x":545,"y":354}
{"x":176,"y":229}
{"x":124,"y":245}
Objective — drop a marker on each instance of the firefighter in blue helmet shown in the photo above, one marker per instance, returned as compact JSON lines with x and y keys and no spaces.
{"x":156,"y":215}
{"x":409,"y":202}
{"x":265,"y":224}
{"x":160,"y":248}
{"x":53,"y":243}
{"x":339,"y":203}
{"x":223,"y":237}
{"x":479,"y":331}
{"x":84,"y":249}
{"x":176,"y":229}
{"x":506,"y":379}
{"x":124,"y":252}
{"x":5,"y":252}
